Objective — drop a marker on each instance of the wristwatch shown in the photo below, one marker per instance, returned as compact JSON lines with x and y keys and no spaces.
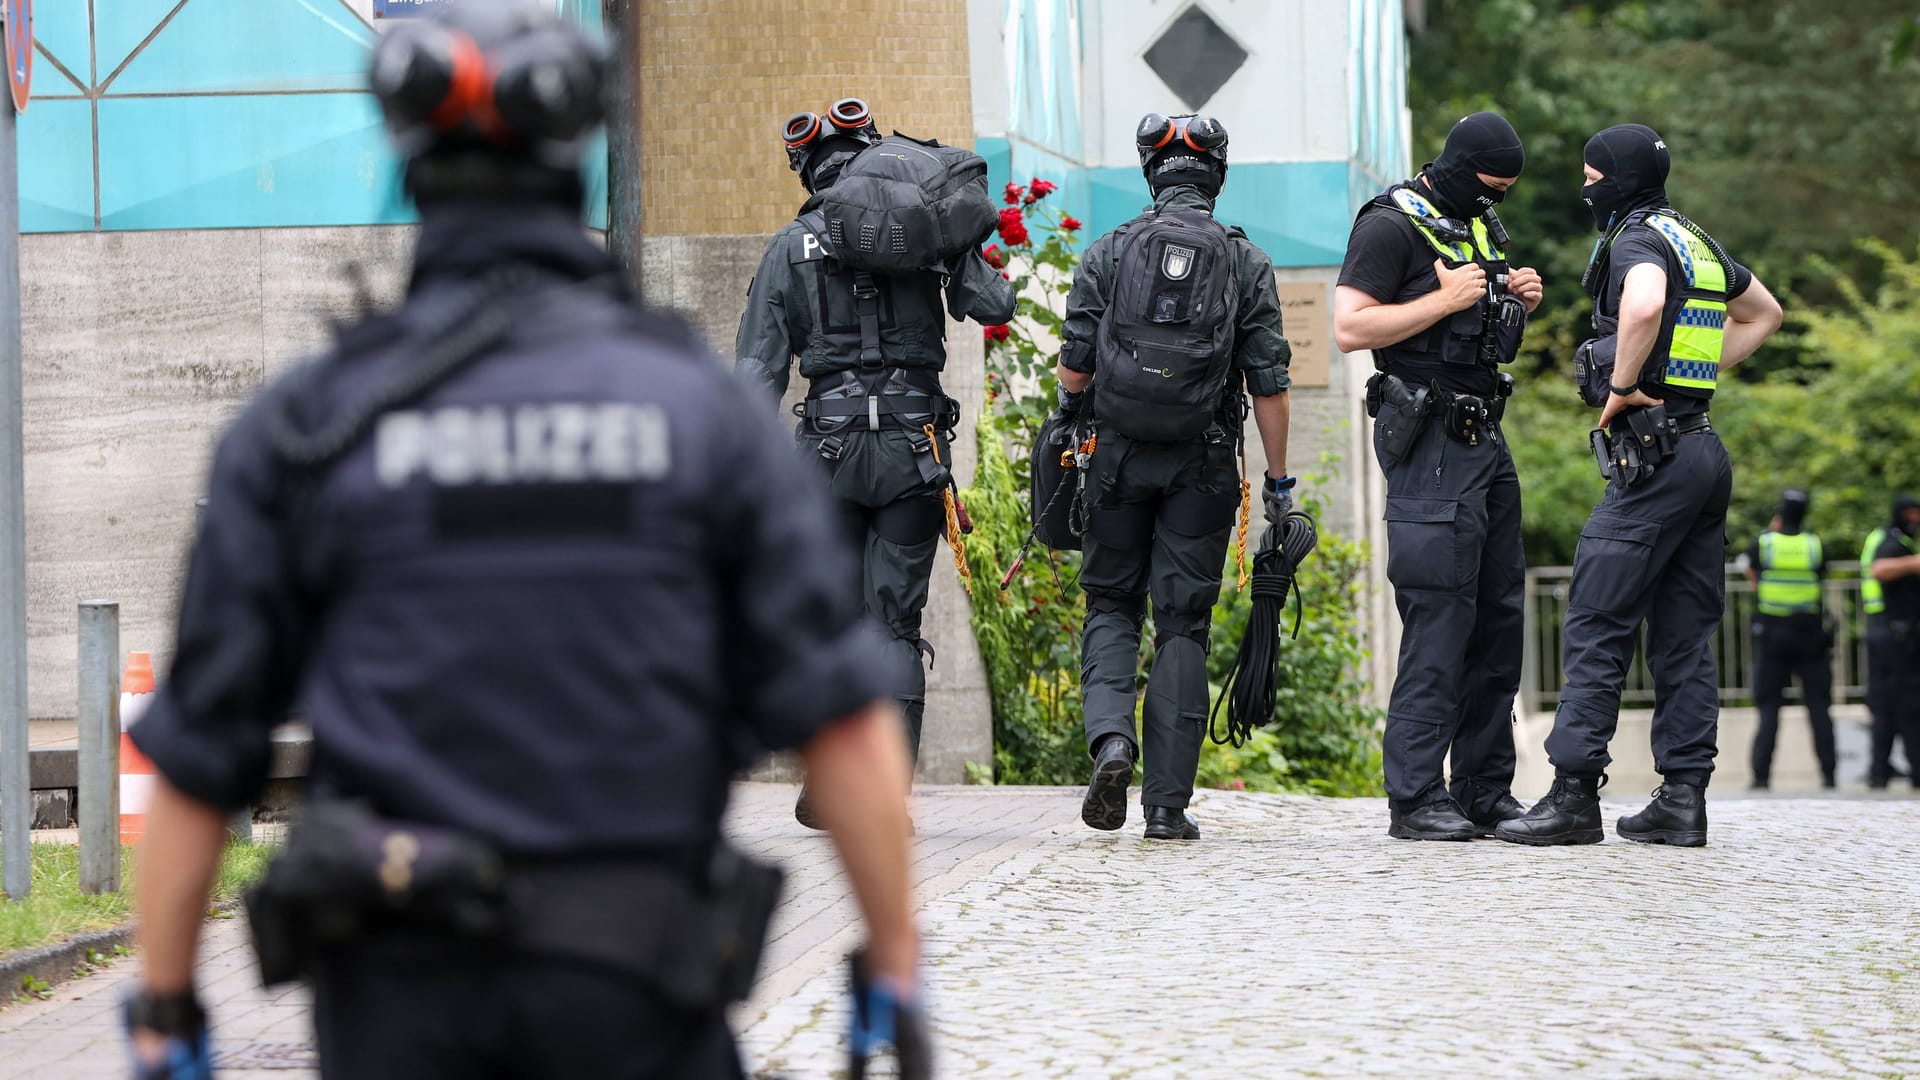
{"x":1627,"y":392}
{"x":165,"y":1014}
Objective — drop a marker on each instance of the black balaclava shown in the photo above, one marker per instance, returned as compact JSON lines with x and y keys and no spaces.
{"x":1901,"y":506}
{"x":1793,"y":510}
{"x":1633,"y":163}
{"x":1481,"y":143}
{"x":824,"y":165}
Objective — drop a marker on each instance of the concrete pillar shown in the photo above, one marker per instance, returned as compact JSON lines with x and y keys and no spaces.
{"x":719,"y":80}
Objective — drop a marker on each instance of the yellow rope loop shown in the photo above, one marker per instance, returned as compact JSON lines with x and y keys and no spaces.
{"x":954,"y":539}
{"x":1240,"y":542}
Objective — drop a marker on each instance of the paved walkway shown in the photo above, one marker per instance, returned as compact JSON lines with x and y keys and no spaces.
{"x":1295,"y":940}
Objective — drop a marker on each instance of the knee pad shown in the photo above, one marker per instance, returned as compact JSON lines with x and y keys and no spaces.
{"x":1168,"y":625}
{"x":913,"y":520}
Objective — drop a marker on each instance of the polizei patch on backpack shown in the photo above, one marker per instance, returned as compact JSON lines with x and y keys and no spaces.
{"x":1177,"y":262}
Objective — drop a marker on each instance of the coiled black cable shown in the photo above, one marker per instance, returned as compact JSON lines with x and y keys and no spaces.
{"x":1254,"y":683}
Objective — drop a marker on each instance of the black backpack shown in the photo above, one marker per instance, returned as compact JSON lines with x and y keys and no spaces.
{"x":905,"y":205}
{"x":1166,"y":341}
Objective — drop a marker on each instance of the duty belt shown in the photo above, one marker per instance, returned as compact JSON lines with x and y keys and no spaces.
{"x":1688,"y":425}
{"x":882,"y":411}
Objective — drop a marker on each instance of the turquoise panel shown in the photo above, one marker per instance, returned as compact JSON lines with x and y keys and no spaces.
{"x":60,"y":29}
{"x":595,"y":174}
{"x":1296,"y":211}
{"x":56,"y":166}
{"x":119,"y":26}
{"x":253,"y":46}
{"x":211,"y":162}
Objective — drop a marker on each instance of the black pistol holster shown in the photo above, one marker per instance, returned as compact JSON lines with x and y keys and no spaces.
{"x":1399,"y":427}
{"x":694,"y":933}
{"x":1639,"y":442}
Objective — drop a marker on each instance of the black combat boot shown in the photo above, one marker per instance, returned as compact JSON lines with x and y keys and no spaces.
{"x":1170,"y":823}
{"x":1105,"y":807}
{"x":1677,"y":815}
{"x":1570,"y":814}
{"x":803,"y":811}
{"x":1506,"y":809}
{"x":1440,"y":819}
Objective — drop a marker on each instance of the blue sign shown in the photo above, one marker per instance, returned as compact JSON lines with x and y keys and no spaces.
{"x":404,"y":9}
{"x":19,"y":18}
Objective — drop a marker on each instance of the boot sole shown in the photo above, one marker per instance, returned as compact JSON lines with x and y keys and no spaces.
{"x":1671,"y":837}
{"x":1105,"y":807}
{"x":1565,"y":839}
{"x":1401,"y":832}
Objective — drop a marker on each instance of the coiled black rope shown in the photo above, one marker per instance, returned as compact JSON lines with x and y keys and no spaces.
{"x":1254,"y":682}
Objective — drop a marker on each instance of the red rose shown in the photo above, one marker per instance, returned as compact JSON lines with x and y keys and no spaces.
{"x":994,"y":256}
{"x":1070,"y":223}
{"x":998,"y":333}
{"x":1040,"y":189}
{"x":1013,"y":231}
{"x":1006,"y":275}
{"x":1013,"y":194}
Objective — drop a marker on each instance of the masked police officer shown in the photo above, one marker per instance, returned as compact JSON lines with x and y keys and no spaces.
{"x":1169,"y":317}
{"x":538,"y":573}
{"x":868,"y":341}
{"x":1790,"y":640}
{"x":1891,"y":591}
{"x":1672,"y":311}
{"x":1427,"y":287}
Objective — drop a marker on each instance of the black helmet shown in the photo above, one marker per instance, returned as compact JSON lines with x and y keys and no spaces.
{"x":489,"y":95}
{"x":1185,"y":149}
{"x":819,"y":147}
{"x":1793,"y":507}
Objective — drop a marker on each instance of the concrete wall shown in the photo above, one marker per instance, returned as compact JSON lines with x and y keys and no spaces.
{"x":139,"y":346}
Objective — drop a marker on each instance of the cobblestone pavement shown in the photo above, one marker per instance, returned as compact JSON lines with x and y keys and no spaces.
{"x":1294,"y":940}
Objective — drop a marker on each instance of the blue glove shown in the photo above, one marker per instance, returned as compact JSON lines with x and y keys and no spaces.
{"x":881,"y":1018}
{"x":179,"y":1020}
{"x":1278,"y":497}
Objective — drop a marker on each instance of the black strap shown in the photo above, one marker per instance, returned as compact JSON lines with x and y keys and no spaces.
{"x":871,"y":405}
{"x":866,"y":302}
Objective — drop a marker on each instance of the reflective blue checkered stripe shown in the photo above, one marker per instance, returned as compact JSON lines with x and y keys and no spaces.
{"x":1692,"y":372}
{"x":1699,"y":316}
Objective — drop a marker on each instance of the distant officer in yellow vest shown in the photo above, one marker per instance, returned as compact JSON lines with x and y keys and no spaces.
{"x":1790,"y":634}
{"x":1890,"y":591}
{"x":1671,"y":311}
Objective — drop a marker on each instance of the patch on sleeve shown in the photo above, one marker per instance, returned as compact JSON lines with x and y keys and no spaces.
{"x":806,"y":248}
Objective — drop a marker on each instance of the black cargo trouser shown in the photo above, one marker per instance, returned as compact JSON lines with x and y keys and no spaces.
{"x":1159,"y":519}
{"x":1654,"y":553}
{"x":396,"y":1009}
{"x":1893,"y":696}
{"x":894,"y":518}
{"x":1786,"y":648}
{"x":1459,"y":580}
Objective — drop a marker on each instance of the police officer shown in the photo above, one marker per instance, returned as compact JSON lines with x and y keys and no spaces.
{"x":1161,"y":504}
{"x":537,"y":573}
{"x":885,"y":345}
{"x":1786,"y":565}
{"x":1673,"y":311}
{"x":1426,"y":285}
{"x":1890,"y":587}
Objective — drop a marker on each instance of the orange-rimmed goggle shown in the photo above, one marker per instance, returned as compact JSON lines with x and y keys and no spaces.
{"x":1201,"y":133}
{"x":848,"y":116}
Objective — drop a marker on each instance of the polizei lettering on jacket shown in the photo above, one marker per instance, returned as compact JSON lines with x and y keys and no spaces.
{"x":462,"y":445}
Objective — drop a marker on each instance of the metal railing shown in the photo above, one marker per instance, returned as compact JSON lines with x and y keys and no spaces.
{"x":1546,"y":608}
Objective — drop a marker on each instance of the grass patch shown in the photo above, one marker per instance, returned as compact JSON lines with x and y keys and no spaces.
{"x":56,"y":909}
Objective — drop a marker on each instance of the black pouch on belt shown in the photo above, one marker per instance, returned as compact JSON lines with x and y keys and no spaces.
{"x":1655,"y":434}
{"x":346,"y":873}
{"x":1401,"y":425}
{"x":694,"y":935}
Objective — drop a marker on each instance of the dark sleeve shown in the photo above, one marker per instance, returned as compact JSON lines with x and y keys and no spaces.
{"x":1086,"y":303}
{"x":978,"y":292}
{"x":1378,"y":253}
{"x":762,"y":348}
{"x":1738,"y":278}
{"x":800,"y":651}
{"x":1820,"y":556}
{"x":1640,"y":244}
{"x":243,"y":634}
{"x":1261,"y":350}
{"x":1890,"y":548}
{"x":1753,"y":554}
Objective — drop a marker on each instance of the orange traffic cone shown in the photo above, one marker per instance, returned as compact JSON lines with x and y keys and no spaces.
{"x":136,"y":771}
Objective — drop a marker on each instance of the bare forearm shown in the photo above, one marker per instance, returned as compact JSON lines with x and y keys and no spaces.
{"x":1272,"y":415}
{"x":1380,"y":325}
{"x":857,"y":778}
{"x":1075,"y":381}
{"x":1634,"y":345}
{"x":1884,"y":570}
{"x":178,"y":860}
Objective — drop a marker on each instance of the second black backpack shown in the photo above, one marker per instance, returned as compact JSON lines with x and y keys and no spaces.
{"x":907,"y":204}
{"x":1166,"y":342}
